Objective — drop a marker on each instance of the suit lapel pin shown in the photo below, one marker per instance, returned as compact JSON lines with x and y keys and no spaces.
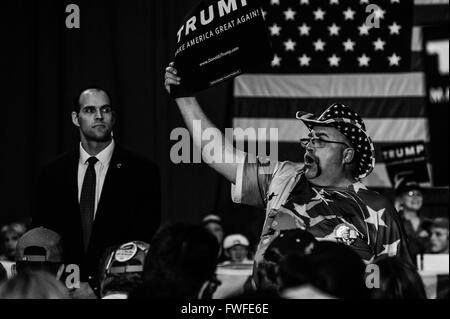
{"x":119,"y":165}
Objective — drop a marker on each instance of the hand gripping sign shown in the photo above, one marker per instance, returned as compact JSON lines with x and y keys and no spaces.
{"x":218,"y":40}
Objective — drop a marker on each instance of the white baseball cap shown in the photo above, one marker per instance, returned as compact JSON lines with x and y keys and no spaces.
{"x":234,"y":240}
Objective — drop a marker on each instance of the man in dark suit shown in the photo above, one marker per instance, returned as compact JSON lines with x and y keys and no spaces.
{"x":99,"y":194}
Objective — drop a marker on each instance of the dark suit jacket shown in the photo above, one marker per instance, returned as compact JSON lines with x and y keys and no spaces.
{"x":129,"y":206}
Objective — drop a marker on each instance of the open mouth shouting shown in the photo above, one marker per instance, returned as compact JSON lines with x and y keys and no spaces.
{"x":309,"y":160}
{"x":312,"y":166}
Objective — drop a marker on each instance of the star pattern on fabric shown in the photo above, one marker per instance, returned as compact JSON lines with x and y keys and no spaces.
{"x":379,"y":44}
{"x":334,"y":60}
{"x":364,"y":60}
{"x":304,"y":60}
{"x":289,"y":14}
{"x":301,"y":210}
{"x":297,"y":222}
{"x":275,"y":29}
{"x":394,"y":28}
{"x":364,"y":29}
{"x":334,"y":29}
{"x":319,"y":45}
{"x":358,"y":186}
{"x":320,"y":196}
{"x":290,"y":45}
{"x":349,"y":45}
{"x":391,"y":249}
{"x":375,"y":217}
{"x":319,"y":14}
{"x":337,"y":27}
{"x":304,"y":29}
{"x":276,"y":61}
{"x":394,"y":60}
{"x":349,"y":14}
{"x":312,"y":221}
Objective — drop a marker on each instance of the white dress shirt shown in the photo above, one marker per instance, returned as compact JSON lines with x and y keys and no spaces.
{"x":101,"y":168}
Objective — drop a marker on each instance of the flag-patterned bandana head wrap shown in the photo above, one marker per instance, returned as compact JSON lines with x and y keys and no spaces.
{"x":351,"y":125}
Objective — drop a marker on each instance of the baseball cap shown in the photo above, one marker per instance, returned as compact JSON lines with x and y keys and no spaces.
{"x":40,"y":245}
{"x":127,"y":258}
{"x":440,"y":222}
{"x":406,"y":185}
{"x":212,"y":219}
{"x":235,"y":240}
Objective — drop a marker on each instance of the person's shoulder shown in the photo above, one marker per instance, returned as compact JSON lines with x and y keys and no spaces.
{"x":372,"y":197}
{"x":61,"y":161}
{"x":126,"y":154}
{"x":278,"y":169}
{"x":134,"y":158}
{"x":288,"y":167}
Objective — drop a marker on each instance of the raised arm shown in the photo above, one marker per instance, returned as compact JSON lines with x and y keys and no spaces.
{"x":191,"y":111}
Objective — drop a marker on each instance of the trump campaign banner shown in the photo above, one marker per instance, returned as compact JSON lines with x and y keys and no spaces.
{"x":219,"y":40}
{"x":406,"y":159}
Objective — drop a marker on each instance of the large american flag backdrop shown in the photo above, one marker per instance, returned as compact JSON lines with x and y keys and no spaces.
{"x":325,"y":52}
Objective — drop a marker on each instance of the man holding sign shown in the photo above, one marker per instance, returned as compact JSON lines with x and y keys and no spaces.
{"x":324,"y":196}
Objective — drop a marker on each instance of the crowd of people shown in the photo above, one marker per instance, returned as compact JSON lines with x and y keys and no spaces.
{"x":325,"y":235}
{"x":183,"y":261}
{"x":425,"y":235}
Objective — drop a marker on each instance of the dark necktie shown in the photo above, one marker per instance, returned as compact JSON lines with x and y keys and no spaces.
{"x":87,"y":201}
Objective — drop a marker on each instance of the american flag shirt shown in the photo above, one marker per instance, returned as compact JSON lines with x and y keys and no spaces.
{"x":355,"y":216}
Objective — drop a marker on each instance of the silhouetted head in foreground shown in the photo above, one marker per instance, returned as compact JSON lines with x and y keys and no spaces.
{"x":181,"y":263}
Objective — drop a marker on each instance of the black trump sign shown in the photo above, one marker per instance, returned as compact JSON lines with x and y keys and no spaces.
{"x":406,"y":159}
{"x":218,"y":40}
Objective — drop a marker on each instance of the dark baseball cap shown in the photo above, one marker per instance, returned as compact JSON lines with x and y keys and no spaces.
{"x":405,"y":185}
{"x":40,"y":245}
{"x":440,"y":222}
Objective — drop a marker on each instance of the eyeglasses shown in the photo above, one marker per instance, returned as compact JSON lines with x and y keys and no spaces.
{"x":414,"y":193}
{"x":318,"y":142}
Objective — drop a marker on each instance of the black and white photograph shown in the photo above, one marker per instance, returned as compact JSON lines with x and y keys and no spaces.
{"x":225,"y":156}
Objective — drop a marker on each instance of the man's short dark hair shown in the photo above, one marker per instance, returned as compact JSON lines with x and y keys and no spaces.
{"x":76,"y":101}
